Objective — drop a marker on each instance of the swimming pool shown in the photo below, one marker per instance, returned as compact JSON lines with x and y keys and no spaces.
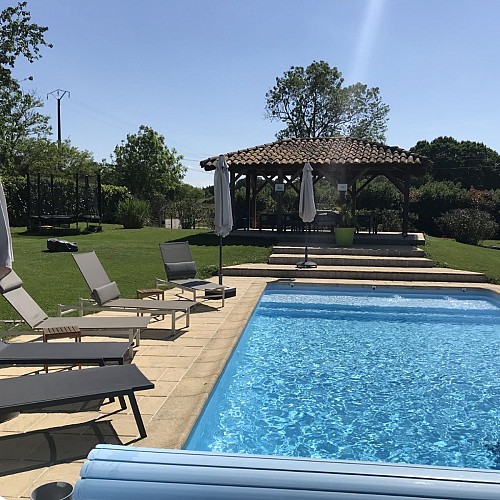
{"x":393,"y":375}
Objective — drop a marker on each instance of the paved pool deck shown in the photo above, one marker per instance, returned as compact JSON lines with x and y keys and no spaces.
{"x":38,"y":447}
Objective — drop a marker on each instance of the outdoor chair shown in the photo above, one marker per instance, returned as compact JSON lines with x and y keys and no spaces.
{"x":62,"y":353}
{"x":105,"y":294}
{"x":52,"y":389}
{"x":11,"y":287}
{"x":181,"y":273}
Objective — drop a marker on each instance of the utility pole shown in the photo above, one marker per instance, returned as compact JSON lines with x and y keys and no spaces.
{"x":58,"y":94}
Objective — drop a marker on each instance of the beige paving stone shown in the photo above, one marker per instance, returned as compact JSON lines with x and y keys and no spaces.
{"x":14,"y":485}
{"x":162,"y":389}
{"x":21,"y":423}
{"x":57,"y":472}
{"x":195,"y":386}
{"x":172,"y":424}
{"x":204,"y":370}
{"x":153,"y":373}
{"x":173,"y":374}
{"x":192,"y":351}
{"x":149,"y":405}
{"x":53,"y":420}
{"x":212,"y":355}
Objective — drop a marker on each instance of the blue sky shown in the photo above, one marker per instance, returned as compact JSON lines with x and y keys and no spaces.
{"x":197,"y":71}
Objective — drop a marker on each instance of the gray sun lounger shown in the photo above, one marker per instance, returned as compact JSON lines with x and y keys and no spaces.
{"x":62,"y":353}
{"x":14,"y":293}
{"x":180,"y":269}
{"x":38,"y":391}
{"x":106,"y":295}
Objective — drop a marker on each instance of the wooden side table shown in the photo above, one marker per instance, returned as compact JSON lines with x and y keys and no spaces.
{"x":154,"y":293}
{"x":151,"y":292}
{"x":62,"y":332}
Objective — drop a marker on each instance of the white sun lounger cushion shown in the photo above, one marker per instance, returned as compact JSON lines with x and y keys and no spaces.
{"x":179,"y":270}
{"x":10,"y":282}
{"x":106,"y":293}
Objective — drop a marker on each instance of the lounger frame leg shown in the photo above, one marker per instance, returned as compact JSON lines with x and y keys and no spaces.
{"x":137,"y":415}
{"x":122,"y":402}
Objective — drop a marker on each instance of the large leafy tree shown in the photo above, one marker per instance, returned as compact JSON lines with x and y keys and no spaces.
{"x":20,"y":119}
{"x":146,"y":166}
{"x":472,"y":164}
{"x":19,"y":112}
{"x":312,"y":102}
{"x":47,"y":157}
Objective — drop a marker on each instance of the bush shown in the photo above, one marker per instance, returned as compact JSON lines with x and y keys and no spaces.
{"x":133,"y":213}
{"x":434,"y":199}
{"x":468,"y":225}
{"x":111,"y":198}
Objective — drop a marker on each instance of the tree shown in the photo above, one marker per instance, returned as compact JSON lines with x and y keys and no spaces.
{"x":19,"y":115}
{"x":313,"y":103}
{"x":18,"y":37}
{"x":472,"y":164}
{"x":40,"y":155}
{"x":145,"y":165}
{"x":19,"y":120}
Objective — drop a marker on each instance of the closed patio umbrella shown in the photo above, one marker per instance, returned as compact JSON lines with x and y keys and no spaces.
{"x":6,"y":254}
{"x":307,"y":209}
{"x":223,"y":209}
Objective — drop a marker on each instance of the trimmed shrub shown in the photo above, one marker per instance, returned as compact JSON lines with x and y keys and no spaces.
{"x":468,"y":225}
{"x":133,"y":213}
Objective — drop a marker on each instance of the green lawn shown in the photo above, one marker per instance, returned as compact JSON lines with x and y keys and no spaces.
{"x":131,"y":257}
{"x":449,"y":253}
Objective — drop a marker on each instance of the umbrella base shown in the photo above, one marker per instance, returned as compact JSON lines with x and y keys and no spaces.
{"x":306,"y":264}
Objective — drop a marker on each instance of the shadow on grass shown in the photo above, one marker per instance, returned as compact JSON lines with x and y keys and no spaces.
{"x":212,"y":240}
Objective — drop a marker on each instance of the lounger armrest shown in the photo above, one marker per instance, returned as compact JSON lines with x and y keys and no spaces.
{"x":180,"y":270}
{"x":105,"y":293}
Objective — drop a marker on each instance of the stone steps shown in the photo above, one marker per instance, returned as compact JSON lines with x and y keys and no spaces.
{"x":435,"y":274}
{"x":352,"y":260}
{"x":360,"y":250}
{"x":374,"y":261}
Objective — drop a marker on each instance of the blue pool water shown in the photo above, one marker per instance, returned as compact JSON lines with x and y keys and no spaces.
{"x":374,"y":375}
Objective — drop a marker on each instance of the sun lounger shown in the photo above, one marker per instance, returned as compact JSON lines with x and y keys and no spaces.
{"x":181,"y":273}
{"x":12,"y":290}
{"x":106,"y":295}
{"x":52,"y":389}
{"x":62,"y":353}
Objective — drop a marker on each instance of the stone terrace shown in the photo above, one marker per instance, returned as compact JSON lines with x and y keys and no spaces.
{"x":38,"y":447}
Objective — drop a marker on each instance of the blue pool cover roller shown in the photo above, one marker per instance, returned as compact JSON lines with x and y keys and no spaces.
{"x":113,"y":471}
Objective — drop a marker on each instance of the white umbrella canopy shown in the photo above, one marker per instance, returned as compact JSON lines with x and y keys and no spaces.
{"x":6,"y":254}
{"x":307,"y":209}
{"x":223,"y":210}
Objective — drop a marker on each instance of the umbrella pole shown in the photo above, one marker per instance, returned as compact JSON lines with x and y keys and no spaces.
{"x":306,"y":253}
{"x":306,"y":263}
{"x":220,"y":259}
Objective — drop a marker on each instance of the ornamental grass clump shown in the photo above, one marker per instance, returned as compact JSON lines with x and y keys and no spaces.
{"x":133,"y":213}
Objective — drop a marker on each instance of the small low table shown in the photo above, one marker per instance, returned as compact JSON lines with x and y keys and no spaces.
{"x":62,"y":332}
{"x":154,"y":293}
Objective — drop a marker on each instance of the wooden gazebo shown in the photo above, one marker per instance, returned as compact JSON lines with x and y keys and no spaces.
{"x":345,"y":162}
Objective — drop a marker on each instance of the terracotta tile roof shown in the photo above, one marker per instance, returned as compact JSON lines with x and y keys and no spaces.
{"x":321,"y":151}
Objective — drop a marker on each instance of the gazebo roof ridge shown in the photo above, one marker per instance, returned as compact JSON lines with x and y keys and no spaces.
{"x":341,"y":150}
